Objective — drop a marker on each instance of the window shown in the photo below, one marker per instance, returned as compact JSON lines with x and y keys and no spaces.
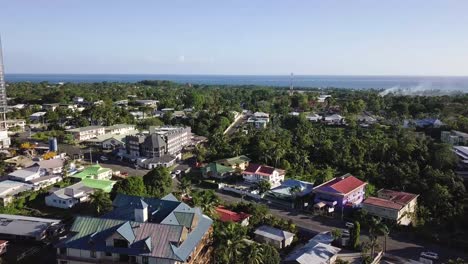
{"x":108,"y":254}
{"x":144,"y":260}
{"x":93,"y":254}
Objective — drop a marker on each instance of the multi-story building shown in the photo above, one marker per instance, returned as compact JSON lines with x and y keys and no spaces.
{"x":85,"y":133}
{"x":12,"y":124}
{"x":159,"y":142}
{"x":140,"y":230}
{"x":4,"y":139}
{"x":255,"y":173}
{"x":344,"y":191}
{"x":259,"y":119}
{"x":120,"y":129}
{"x":399,"y":207}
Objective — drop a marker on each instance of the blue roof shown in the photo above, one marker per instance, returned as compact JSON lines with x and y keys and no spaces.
{"x":285,"y":188}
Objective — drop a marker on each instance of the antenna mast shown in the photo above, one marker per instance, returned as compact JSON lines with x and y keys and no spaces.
{"x":291,"y":87}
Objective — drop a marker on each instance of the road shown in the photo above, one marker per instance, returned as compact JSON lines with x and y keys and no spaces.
{"x":398,"y":244}
{"x":242,"y":119}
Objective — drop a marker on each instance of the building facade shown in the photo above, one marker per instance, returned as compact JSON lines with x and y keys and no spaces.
{"x":85,"y":133}
{"x":255,"y":173}
{"x":344,"y":191}
{"x":398,"y":207}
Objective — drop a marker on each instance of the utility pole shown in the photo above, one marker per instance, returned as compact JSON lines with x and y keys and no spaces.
{"x":90,"y":155}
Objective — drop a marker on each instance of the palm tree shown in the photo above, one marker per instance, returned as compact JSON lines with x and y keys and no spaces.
{"x":376,"y":229}
{"x":230,"y":239}
{"x":185,"y":186}
{"x":207,"y":200}
{"x":254,"y":254}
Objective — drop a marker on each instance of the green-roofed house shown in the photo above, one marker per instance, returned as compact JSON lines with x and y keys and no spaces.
{"x":239,"y":162}
{"x":94,"y":172}
{"x":96,"y":177}
{"x":216,"y":170}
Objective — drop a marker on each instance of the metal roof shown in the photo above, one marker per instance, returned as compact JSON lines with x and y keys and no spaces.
{"x":273,"y":233}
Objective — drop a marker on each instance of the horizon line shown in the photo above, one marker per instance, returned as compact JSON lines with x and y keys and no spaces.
{"x":214,"y":74}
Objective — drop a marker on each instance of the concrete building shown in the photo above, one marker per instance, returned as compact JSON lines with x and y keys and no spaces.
{"x":120,"y":129}
{"x":147,"y":103}
{"x":345,"y":191}
{"x":398,"y":207}
{"x":85,"y":133}
{"x":12,"y":124}
{"x":151,"y":163}
{"x":317,"y":250}
{"x":273,"y":236}
{"x":37,"y":117}
{"x":159,"y":142}
{"x":259,"y":120}
{"x":255,"y":173}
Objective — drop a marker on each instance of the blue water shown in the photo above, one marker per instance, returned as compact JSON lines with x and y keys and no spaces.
{"x":320,"y":81}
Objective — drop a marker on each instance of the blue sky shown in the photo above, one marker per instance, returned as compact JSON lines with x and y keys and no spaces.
{"x":350,"y":37}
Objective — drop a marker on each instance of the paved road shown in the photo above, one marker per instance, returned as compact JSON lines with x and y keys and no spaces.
{"x":236,"y":124}
{"x":398,"y":244}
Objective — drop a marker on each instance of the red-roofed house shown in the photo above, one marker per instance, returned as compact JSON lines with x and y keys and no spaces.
{"x":344,"y":191}
{"x":255,"y":173}
{"x":392,"y":205}
{"x":226,"y":215}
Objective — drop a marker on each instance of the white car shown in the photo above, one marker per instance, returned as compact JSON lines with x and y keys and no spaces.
{"x":429,"y":255}
{"x":103,"y":158}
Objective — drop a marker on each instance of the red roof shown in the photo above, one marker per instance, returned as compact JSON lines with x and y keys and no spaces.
{"x":260,"y":169}
{"x":397,"y":197}
{"x":230,"y":216}
{"x":344,"y":185}
{"x":382,"y":203}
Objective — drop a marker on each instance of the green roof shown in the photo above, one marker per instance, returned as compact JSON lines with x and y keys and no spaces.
{"x":217,"y":168}
{"x":236,"y":160}
{"x":104,"y":185}
{"x":90,"y":172}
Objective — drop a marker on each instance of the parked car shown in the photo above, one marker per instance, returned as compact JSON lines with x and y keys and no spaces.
{"x":103,"y":158}
{"x":349,"y":225}
{"x":429,"y":255}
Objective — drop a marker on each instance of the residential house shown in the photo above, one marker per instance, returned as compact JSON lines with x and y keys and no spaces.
{"x":120,"y":129}
{"x":345,"y":191}
{"x":5,"y":140}
{"x":462,"y":165}
{"x":259,"y":119}
{"x":96,"y":177}
{"x":108,"y":141}
{"x":139,"y":115}
{"x":291,"y":193}
{"x":151,"y":163}
{"x":36,"y":176}
{"x":240,"y":162}
{"x":51,"y":166}
{"x":12,"y":124}
{"x":334,"y":119}
{"x":69,"y":196}
{"x":255,"y":173}
{"x":314,"y":117}
{"x":317,"y":250}
{"x":398,"y":207}
{"x":423,"y":123}
{"x":454,"y":137}
{"x":216,"y":170}
{"x":225,"y":215}
{"x":38,"y":116}
{"x":9,"y":189}
{"x":140,"y":230}
{"x":366,"y":119}
{"x":78,"y":100}
{"x":26,"y":228}
{"x":85,"y":133}
{"x":121,"y":102}
{"x":273,"y":236}
{"x":147,"y":103}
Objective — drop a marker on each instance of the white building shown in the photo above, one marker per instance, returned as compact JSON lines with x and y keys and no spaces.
{"x":314,"y":117}
{"x":323,"y":97}
{"x":255,"y":173}
{"x":334,"y":119}
{"x":148,"y":103}
{"x":38,"y":116}
{"x":5,"y":141}
{"x":120,"y":129}
{"x":69,"y":196}
{"x":454,"y":137}
{"x":85,"y":133}
{"x":273,"y":236}
{"x":259,"y":119}
{"x":151,"y":163}
{"x":8,"y":190}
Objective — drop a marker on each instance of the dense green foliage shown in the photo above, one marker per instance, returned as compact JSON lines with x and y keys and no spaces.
{"x":158,"y":182}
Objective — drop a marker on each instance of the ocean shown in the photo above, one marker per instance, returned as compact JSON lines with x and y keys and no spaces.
{"x":306,"y":81}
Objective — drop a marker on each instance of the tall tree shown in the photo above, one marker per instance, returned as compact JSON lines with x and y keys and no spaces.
{"x":129,"y":186}
{"x":101,"y":201}
{"x":158,"y":182}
